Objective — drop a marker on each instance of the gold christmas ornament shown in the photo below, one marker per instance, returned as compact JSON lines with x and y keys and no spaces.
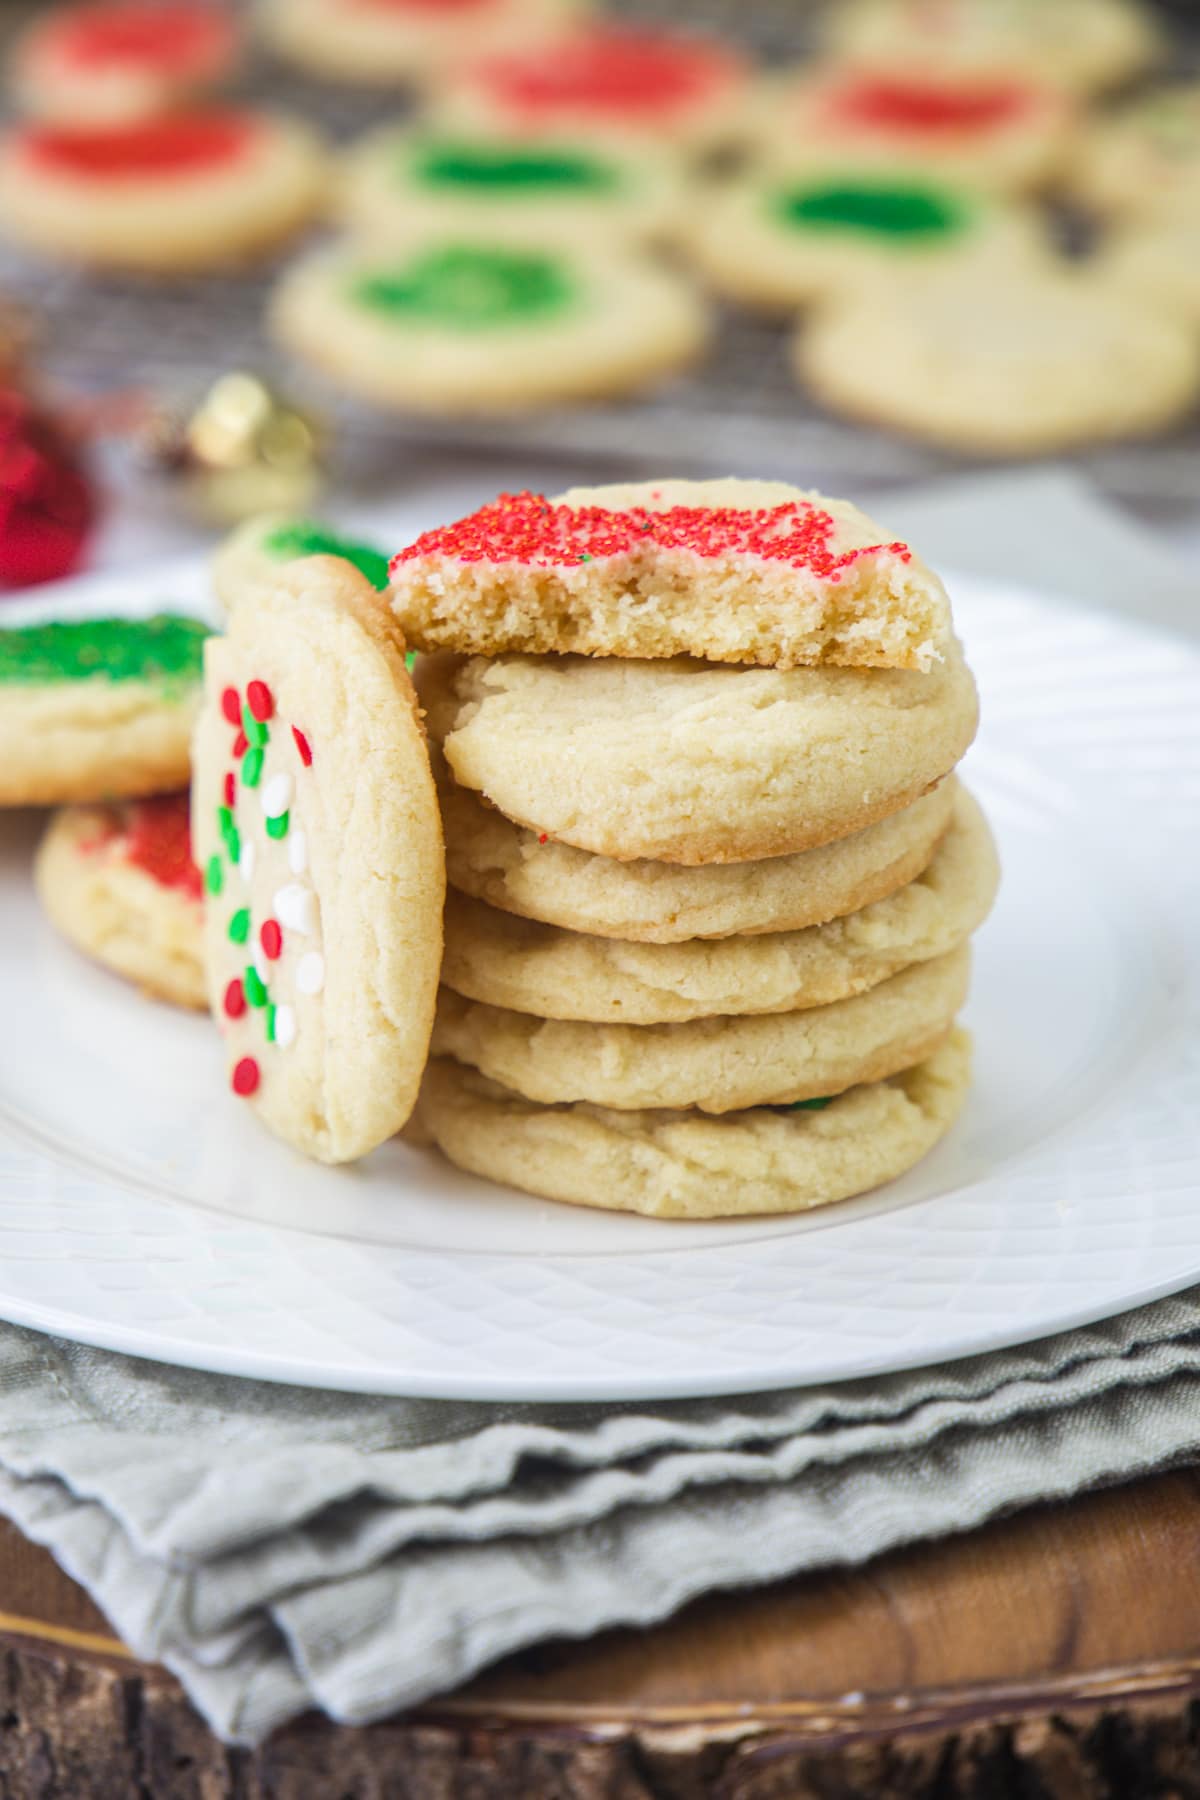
{"x":244,"y":449}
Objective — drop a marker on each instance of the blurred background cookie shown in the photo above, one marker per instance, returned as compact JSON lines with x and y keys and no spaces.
{"x":382,"y":42}
{"x":107,"y":62}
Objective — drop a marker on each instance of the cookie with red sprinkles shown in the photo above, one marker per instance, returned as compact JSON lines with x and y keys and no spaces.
{"x":319,"y":842}
{"x":728,"y":571}
{"x":120,"y":884}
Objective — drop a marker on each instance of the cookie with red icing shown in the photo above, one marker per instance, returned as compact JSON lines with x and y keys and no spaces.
{"x":731,"y":571}
{"x":989,"y":129}
{"x":378,"y":42}
{"x":318,"y":836}
{"x":194,"y":190}
{"x":107,"y":62}
{"x":120,"y":884}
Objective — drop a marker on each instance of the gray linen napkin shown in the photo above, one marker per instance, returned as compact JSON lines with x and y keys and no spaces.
{"x":280,"y":1548}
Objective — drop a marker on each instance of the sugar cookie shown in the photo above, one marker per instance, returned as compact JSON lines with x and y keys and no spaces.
{"x":107,"y":62}
{"x":732,"y":571}
{"x":516,"y":870}
{"x":1009,"y":368}
{"x":380,"y":42}
{"x":696,"y":762}
{"x":1157,"y":263}
{"x":1142,"y":159}
{"x":193,"y":190}
{"x":257,"y":550}
{"x":119,"y":882}
{"x":316,"y":826}
{"x":685,"y":1165}
{"x":716,"y":1064}
{"x":97,"y":709}
{"x":465,"y":327}
{"x":533,"y":968}
{"x":508,"y":189}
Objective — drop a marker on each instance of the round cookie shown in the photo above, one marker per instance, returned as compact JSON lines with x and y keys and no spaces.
{"x":257,"y":550}
{"x":1142,"y":159}
{"x":613,"y":82}
{"x":1001,"y":368}
{"x":461,"y":328}
{"x":106,"y":62}
{"x":777,"y":241}
{"x":520,"y":871}
{"x":97,"y":709}
{"x":990,"y":131}
{"x":119,"y":882}
{"x":729,"y":570}
{"x":528,"y":967}
{"x":1157,"y":263}
{"x":715,"y":1064}
{"x":690,"y":762}
{"x":508,"y":190}
{"x":1081,"y":45}
{"x":316,"y":825}
{"x":684,"y":1165}
{"x":379,"y":42}
{"x":184,"y":191}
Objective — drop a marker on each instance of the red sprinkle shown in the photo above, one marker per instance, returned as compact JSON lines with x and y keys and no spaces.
{"x":158,"y":840}
{"x":245,"y":1077}
{"x":231,"y":706}
{"x":230,"y":789}
{"x":543,"y":837}
{"x":271,"y":938}
{"x":923,"y":104}
{"x":610,"y":70}
{"x":303,"y":746}
{"x":241,"y":744}
{"x":235,"y":999}
{"x":260,"y":700}
{"x":175,"y":144}
{"x":526,"y":528}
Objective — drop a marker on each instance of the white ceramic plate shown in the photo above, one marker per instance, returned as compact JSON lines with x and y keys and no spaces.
{"x":141,"y":1207}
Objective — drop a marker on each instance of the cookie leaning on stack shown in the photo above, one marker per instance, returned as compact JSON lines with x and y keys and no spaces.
{"x":714,"y":877}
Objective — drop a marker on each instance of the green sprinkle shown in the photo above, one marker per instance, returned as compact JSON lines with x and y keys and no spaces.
{"x":467,"y":288}
{"x":239,"y":925}
{"x":586,"y":556}
{"x":252,"y":985}
{"x":873,"y":209}
{"x":166,"y":649}
{"x":305,"y":537}
{"x":811,"y":1105}
{"x":214,"y":875}
{"x":224,"y":820}
{"x":410,"y":660}
{"x":277,"y":827}
{"x":269,"y":1021}
{"x":233,"y":845}
{"x":255,"y":729}
{"x":252,"y":768}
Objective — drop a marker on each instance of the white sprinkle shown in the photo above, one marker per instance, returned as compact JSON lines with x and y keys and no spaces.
{"x":297,"y":844}
{"x":277,"y":794}
{"x":310,"y":973}
{"x":246,"y":861}
{"x":285,"y":1027}
{"x":262,"y":967}
{"x":296,"y":907}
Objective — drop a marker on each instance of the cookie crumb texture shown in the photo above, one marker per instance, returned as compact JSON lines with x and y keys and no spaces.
{"x":318,"y":836}
{"x":683,"y":1165}
{"x":729,"y":571}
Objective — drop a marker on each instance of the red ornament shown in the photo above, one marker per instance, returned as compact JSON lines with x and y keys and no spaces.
{"x":235,"y":999}
{"x":271,"y":939}
{"x":231,"y":706}
{"x":47,"y":504}
{"x":260,"y":701}
{"x":303,"y":746}
{"x":245,"y":1077}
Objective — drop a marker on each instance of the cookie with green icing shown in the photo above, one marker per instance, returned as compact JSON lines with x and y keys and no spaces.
{"x":512,"y":189}
{"x":445,"y":323}
{"x":97,"y":709}
{"x":779,"y":241}
{"x":262,"y":546}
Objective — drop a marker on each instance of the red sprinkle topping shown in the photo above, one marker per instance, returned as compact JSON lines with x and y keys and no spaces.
{"x":543,"y":837}
{"x":260,"y":700}
{"x":610,"y":70}
{"x":231,"y":705}
{"x":245,"y":1077}
{"x":193,"y":40}
{"x":926,"y":105}
{"x":271,"y":939}
{"x":303,"y":746}
{"x":234,"y":1001}
{"x":230,"y":788}
{"x":241,"y":744}
{"x":176,"y":144}
{"x":158,"y":841}
{"x":526,"y":528}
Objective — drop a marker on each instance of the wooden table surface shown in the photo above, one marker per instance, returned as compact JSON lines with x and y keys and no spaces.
{"x":1050,"y":1656}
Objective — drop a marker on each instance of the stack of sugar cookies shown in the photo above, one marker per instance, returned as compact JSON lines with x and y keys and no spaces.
{"x":712,"y":877}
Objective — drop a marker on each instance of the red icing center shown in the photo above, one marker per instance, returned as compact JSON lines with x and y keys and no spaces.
{"x":180,"y":145}
{"x":929,"y":106}
{"x":174,"y":38}
{"x":428,"y":8}
{"x":157,"y":839}
{"x":610,"y":72}
{"x":526,"y":528}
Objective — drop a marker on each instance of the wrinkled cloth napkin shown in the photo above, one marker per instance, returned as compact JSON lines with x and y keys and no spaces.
{"x":281,"y":1548}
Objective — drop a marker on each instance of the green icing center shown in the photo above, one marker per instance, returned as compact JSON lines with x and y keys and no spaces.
{"x":468,"y":289}
{"x":304,"y":537}
{"x":874,"y":211}
{"x":501,"y":170}
{"x":165,"y":649}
